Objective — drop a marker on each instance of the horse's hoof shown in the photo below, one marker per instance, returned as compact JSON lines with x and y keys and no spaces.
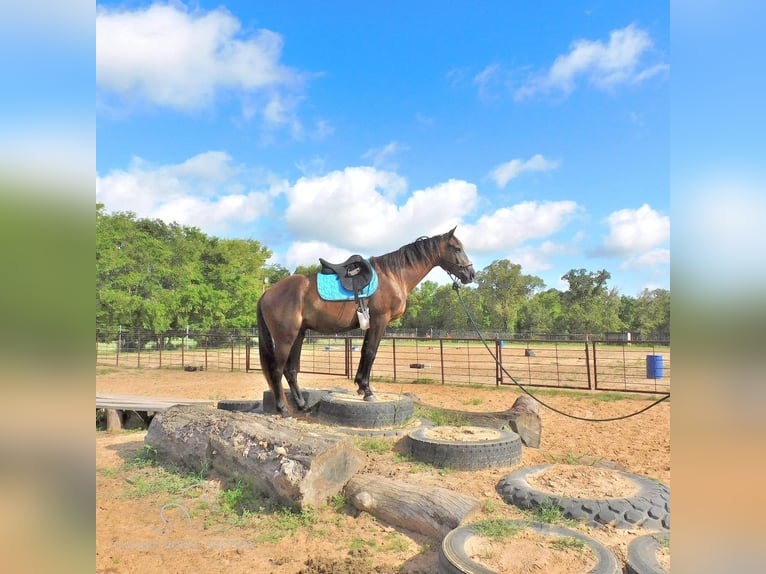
{"x":359,"y":392}
{"x":370,"y":398}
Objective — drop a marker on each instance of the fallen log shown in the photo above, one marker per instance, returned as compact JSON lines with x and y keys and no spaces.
{"x":282,"y":458}
{"x":524,"y":420}
{"x":431,"y":511}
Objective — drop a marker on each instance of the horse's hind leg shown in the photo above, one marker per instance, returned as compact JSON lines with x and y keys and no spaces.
{"x":291,"y":370}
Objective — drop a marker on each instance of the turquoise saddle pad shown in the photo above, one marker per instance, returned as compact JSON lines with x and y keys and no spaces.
{"x":330,"y":289}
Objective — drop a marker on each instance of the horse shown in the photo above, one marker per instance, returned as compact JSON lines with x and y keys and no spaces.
{"x":292,"y":305}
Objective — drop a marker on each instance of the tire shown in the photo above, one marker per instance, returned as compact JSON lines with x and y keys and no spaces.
{"x":504,"y":450}
{"x":345,"y":409}
{"x":650,"y":508}
{"x":385,"y":432}
{"x":240,"y":406}
{"x":311,"y":396}
{"x":642,"y":555}
{"x":453,"y":558}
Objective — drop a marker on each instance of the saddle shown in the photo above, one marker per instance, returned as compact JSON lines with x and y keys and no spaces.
{"x":355,"y":273}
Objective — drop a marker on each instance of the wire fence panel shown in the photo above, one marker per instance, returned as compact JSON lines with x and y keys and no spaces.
{"x":557,"y":362}
{"x":643,"y":367}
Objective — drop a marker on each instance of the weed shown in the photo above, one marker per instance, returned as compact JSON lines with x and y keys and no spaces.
{"x":338,"y":501}
{"x":376,"y":445}
{"x":490,"y":506}
{"x":474,"y":402}
{"x":549,"y":513}
{"x":417,"y":466}
{"x":240,"y":500}
{"x":568,"y":543}
{"x":160,"y":480}
{"x":496,"y":528}
{"x":395,"y":542}
{"x":442,"y":418}
{"x":359,"y":543}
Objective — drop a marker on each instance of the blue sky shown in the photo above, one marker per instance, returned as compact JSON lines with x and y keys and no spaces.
{"x":540,"y":129}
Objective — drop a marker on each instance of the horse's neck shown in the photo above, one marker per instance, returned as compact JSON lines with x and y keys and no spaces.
{"x":412,"y":276}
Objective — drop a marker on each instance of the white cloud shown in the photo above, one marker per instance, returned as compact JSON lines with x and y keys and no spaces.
{"x":505,"y":172}
{"x":509,"y":227}
{"x":170,"y":56}
{"x":604,"y":65}
{"x":634,"y":232}
{"x":651,"y":258}
{"x":356,"y":208}
{"x":382,"y":156}
{"x":203,"y":191}
{"x":537,"y":258}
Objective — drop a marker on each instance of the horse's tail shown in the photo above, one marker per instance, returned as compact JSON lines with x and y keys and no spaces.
{"x":266,"y":349}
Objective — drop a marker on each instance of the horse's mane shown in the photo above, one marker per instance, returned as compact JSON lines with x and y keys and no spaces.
{"x":423,"y":251}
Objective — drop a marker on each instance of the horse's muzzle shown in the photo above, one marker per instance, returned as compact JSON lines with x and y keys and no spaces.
{"x":467,"y":274}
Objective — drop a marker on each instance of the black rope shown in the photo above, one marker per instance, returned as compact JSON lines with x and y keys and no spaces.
{"x":456,"y":287}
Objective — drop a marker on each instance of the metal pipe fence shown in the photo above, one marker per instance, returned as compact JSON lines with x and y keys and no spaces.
{"x":595,"y":364}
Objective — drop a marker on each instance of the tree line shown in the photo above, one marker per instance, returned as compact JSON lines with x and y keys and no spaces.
{"x":165,"y":276}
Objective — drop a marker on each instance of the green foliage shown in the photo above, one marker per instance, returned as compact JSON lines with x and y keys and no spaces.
{"x":375,"y":445}
{"x":496,"y":528}
{"x":164,"y":276}
{"x":440,"y":417}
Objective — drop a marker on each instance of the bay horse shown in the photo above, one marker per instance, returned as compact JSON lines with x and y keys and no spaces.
{"x":293,"y":305}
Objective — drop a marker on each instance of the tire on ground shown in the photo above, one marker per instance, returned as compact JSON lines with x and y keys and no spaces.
{"x":649,"y":508}
{"x":388,"y":410}
{"x":454,"y":559}
{"x":642,"y":555}
{"x":503,"y":450}
{"x":241,"y":406}
{"x":311,"y":396}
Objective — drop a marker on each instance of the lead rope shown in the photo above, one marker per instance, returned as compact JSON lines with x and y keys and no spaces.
{"x":456,"y":287}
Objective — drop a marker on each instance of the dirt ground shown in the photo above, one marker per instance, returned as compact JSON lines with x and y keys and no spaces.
{"x":151,"y":530}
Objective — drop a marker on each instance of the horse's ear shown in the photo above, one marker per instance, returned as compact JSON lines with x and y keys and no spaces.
{"x":451,"y":232}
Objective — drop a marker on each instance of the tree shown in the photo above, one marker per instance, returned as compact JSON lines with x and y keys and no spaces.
{"x":503,"y":290}
{"x":588,"y":305}
{"x":540,"y":313}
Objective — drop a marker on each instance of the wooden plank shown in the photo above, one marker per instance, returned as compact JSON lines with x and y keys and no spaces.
{"x":139,"y":403}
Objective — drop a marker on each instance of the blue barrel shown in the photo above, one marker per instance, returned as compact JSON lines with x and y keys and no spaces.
{"x":654,"y":367}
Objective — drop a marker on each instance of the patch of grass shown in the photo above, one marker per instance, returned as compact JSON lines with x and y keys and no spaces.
{"x":339,"y":501}
{"x":548,"y":513}
{"x":241,"y":501}
{"x":475,"y":402}
{"x":359,"y":543}
{"x":425,"y":381}
{"x":496,"y":528}
{"x":440,"y":417}
{"x":417,"y":466}
{"x":568,"y":543}
{"x":395,"y":542}
{"x":106,"y":371}
{"x":609,"y":396}
{"x":489,"y":506}
{"x":158,"y":480}
{"x":374,"y":445}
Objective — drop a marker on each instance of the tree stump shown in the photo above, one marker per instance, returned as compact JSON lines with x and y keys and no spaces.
{"x":524,"y":420}
{"x":281,"y":458}
{"x":431,"y":511}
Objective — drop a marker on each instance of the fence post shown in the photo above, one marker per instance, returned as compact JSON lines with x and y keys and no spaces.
{"x":441,"y":357}
{"x":119,"y":344}
{"x":498,"y":362}
{"x":161,"y":342}
{"x":207,"y":343}
{"x":393,"y":341}
{"x":138,"y":339}
{"x":232,"y":353}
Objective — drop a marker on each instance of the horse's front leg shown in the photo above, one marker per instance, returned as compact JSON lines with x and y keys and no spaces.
{"x":369,"y":351}
{"x":291,"y":370}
